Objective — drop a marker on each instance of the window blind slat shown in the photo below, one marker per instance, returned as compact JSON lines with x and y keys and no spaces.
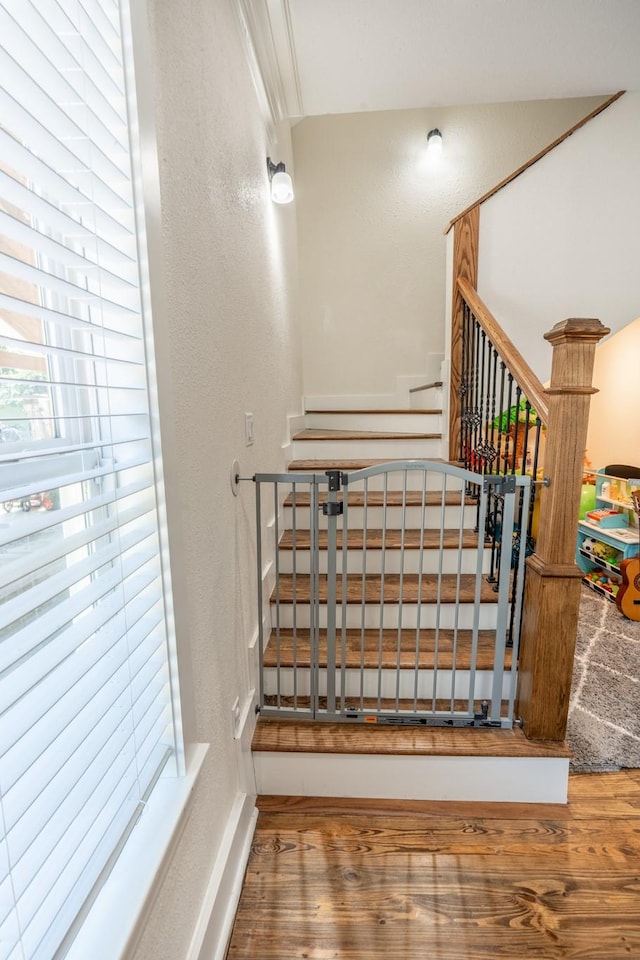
{"x":53,"y":284}
{"x":57,"y":585}
{"x":98,"y":360}
{"x":103,"y":774}
{"x":90,"y":268}
{"x":48,"y":480}
{"x":106,"y":852}
{"x":37,"y":103}
{"x":75,"y":220}
{"x":106,"y":52}
{"x":68,"y":63}
{"x":54,"y":740}
{"x":109,"y":81}
{"x":58,"y":321}
{"x":105,"y":128}
{"x":33,"y":524}
{"x":28,"y":639}
{"x":72,"y":202}
{"x":67,"y":543}
{"x":33,"y":838}
{"x":26,"y":128}
{"x":86,"y":686}
{"x":39,"y":905}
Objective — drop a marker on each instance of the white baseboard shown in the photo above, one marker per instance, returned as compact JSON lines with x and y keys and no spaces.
{"x":213,"y":929}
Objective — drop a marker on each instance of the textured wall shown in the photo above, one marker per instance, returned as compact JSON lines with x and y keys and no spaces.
{"x":230,"y":265}
{"x":614,"y":425}
{"x":371,"y":215}
{"x":562,"y":240}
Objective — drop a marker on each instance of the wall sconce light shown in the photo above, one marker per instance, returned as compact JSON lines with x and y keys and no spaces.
{"x":281,"y":182}
{"x":434,"y":141}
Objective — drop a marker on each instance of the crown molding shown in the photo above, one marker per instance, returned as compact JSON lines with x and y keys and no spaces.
{"x":269,"y":45}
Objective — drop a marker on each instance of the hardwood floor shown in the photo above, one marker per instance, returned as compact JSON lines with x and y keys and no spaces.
{"x":367,"y":880}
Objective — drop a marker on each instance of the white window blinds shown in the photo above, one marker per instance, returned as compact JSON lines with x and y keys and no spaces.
{"x":86,"y":709}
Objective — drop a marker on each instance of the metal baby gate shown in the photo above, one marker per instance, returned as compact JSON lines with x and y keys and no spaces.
{"x":390,"y":594}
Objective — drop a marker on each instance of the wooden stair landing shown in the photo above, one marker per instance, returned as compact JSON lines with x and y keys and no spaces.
{"x":300,"y":736}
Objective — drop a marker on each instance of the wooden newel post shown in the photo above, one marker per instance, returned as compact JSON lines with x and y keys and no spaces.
{"x":552,"y":589}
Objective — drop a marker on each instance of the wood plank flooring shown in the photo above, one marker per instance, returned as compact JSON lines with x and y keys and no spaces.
{"x":395,"y":880}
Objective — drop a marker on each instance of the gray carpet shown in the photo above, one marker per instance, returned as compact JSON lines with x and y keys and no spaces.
{"x":604,"y":714}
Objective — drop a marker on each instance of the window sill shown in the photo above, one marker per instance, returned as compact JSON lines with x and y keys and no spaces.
{"x":129,"y":891}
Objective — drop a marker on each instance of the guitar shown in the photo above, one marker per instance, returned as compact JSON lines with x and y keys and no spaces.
{"x":628,"y":596}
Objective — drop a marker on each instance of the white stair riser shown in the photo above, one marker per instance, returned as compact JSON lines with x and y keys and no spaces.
{"x":391,"y":612}
{"x":444,"y":683}
{"x":394,"y":562}
{"x":392,"y":422}
{"x":433,"y":517}
{"x":431,"y":399}
{"x":407,"y":449}
{"x":468,"y":778}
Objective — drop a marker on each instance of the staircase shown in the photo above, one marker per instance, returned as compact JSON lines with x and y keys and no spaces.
{"x":408,"y":640}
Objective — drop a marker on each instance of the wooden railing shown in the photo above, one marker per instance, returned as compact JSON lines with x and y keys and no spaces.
{"x":552,"y":589}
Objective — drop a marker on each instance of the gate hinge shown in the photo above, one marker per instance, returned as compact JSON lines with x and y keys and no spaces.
{"x":332,"y":509}
{"x":499,"y":485}
{"x":334,"y":478}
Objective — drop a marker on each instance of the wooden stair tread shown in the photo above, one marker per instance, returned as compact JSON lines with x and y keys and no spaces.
{"x":411,"y":411}
{"x":339,"y":463}
{"x":284,"y":593}
{"x":392,"y":648}
{"x":318,"y":434}
{"x":392,"y":498}
{"x":300,"y":736}
{"x":393,"y":540}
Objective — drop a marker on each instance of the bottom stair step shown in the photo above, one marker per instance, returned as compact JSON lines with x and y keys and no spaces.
{"x":303,"y":758}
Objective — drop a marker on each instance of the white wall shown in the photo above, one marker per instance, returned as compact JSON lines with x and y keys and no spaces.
{"x":371,"y":216}
{"x":614,"y":422}
{"x":232,"y":345}
{"x":563,"y":240}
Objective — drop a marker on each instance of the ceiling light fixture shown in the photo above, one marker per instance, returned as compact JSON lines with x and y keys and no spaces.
{"x":434,"y":141}
{"x":281,"y":182}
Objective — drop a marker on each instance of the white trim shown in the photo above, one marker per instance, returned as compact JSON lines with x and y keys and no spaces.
{"x":215,"y":922}
{"x":494,"y":779}
{"x":131,"y":888}
{"x":284,"y":53}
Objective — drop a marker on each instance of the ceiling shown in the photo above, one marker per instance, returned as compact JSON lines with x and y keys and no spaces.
{"x":344,"y":56}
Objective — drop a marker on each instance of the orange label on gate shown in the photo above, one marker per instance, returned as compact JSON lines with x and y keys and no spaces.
{"x":370,"y":719}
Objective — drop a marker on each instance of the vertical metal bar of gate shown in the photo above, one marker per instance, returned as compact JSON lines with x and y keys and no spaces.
{"x":331,"y":512}
{"x":516,"y":618}
{"x":260,"y":594}
{"x":482,"y":516}
{"x":314,"y":601}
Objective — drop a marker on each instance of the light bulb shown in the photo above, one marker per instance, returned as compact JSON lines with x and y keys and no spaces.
{"x":281,"y":187}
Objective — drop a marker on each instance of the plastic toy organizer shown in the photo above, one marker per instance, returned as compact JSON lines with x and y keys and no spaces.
{"x":608,"y":534}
